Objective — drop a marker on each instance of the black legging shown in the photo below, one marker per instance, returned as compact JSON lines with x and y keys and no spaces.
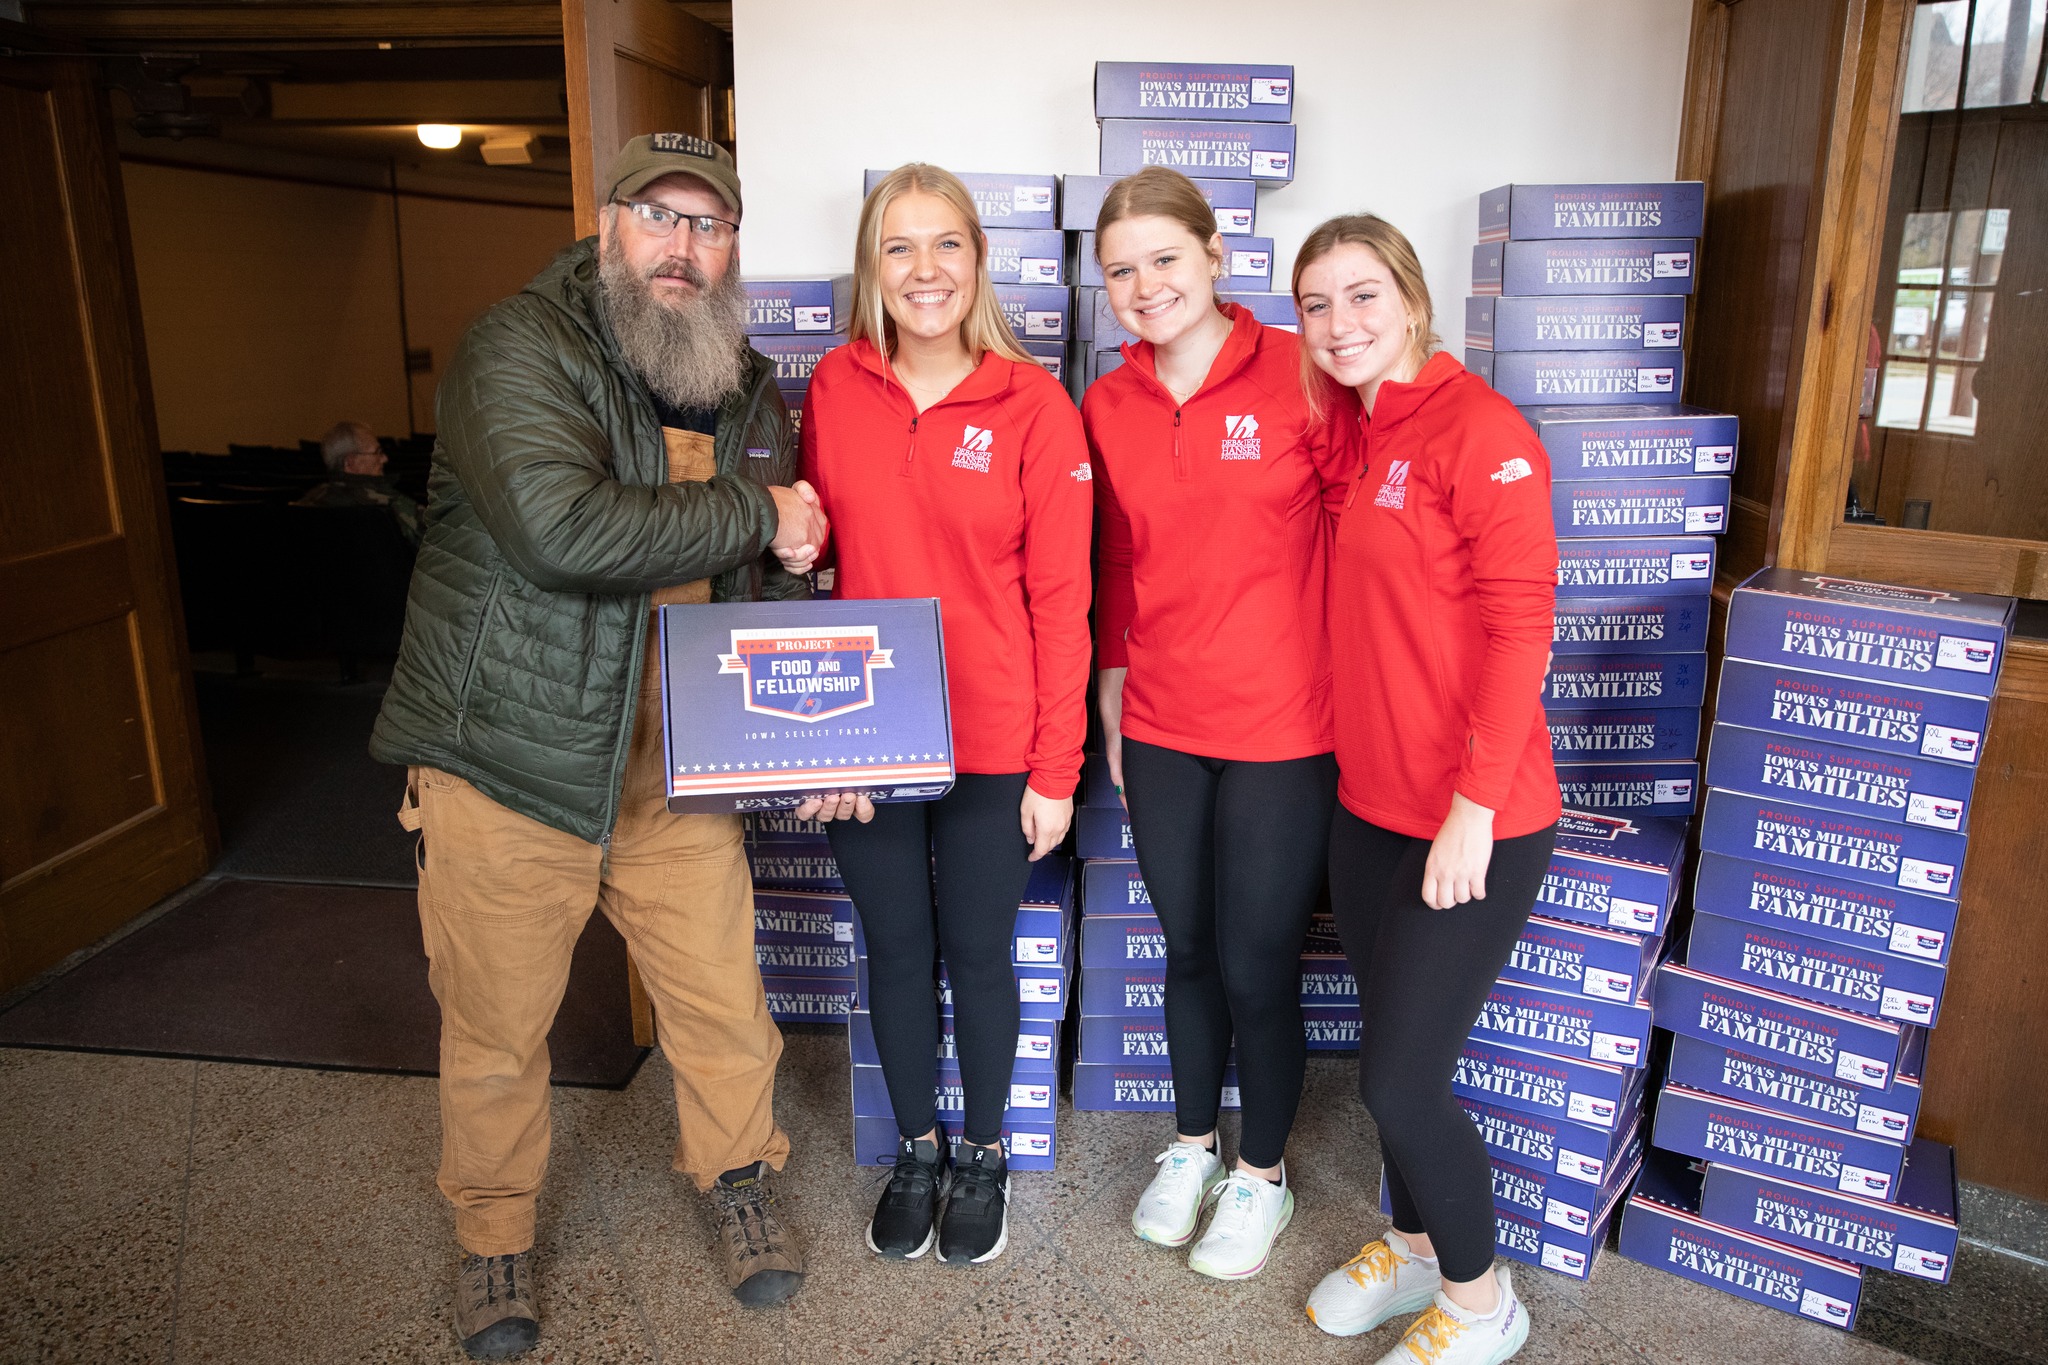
{"x":1422,"y":976}
{"x":1232,"y":854}
{"x":965,"y":854}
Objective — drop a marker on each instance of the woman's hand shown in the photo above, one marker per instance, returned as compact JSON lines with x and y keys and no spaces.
{"x":1044,"y":820}
{"x":1456,"y":870}
{"x":1109,"y":699}
{"x":837,"y":806}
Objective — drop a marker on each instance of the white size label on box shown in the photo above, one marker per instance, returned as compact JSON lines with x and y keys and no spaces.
{"x":1271,"y":165}
{"x":1036,"y":1047}
{"x":1034,"y":988}
{"x":1657,"y":335}
{"x":1654,"y":378}
{"x":1038,"y":270}
{"x":1705,"y":521}
{"x":1031,"y":1097}
{"x":1038,"y":950}
{"x":1671,"y":265}
{"x":1031,"y":198}
{"x":1913,"y":941}
{"x":1946,"y":741}
{"x":1230,"y":1098}
{"x":1824,"y":1307}
{"x":1617,"y":1047}
{"x":1713,"y":459}
{"x":1234,"y":222}
{"x":1666,"y":789}
{"x":1570,"y":1217}
{"x":1860,"y":1070}
{"x":842,"y":932}
{"x":1921,"y":874}
{"x":1251,"y":263}
{"x":1043,"y":323}
{"x":1622,"y":913}
{"x":1565,"y":1260}
{"x":1589,"y":1109}
{"x":812,"y":317}
{"x":1936,"y":812}
{"x":1928,"y":1265}
{"x":1031,"y":1144}
{"x":1880,"y":1122}
{"x":1607,"y":985}
{"x":1579,"y":1166}
{"x":1692,"y":564}
{"x":1969,"y":656}
{"x":1858,"y":1180}
{"x":1909,"y":1007}
{"x":1271,"y":89}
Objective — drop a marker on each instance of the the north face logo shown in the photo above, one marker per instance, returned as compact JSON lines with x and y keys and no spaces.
{"x":1511,"y":470}
{"x":974,"y":449}
{"x":1241,"y":438}
{"x":1394,"y":490}
{"x":1084,"y":473}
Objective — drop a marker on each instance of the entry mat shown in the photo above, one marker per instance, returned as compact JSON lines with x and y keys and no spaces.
{"x":306,"y":975}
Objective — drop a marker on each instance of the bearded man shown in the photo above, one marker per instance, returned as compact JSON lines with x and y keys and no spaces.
{"x":608,"y":444}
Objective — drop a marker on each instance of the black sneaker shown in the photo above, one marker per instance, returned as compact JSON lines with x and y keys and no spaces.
{"x":906,"y":1219}
{"x":976,"y":1227}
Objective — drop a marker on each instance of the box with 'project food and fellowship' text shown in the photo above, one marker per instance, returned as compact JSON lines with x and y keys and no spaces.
{"x":765,"y":703}
{"x":1633,"y":440}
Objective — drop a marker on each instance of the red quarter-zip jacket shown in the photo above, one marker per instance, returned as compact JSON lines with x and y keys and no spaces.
{"x":983,"y":501}
{"x":1443,"y":584}
{"x":1214,"y":536}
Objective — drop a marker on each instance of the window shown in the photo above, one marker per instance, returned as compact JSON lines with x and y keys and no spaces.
{"x":1947,"y":283}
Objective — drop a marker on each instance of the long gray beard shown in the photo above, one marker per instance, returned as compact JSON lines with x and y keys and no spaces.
{"x":691,"y":352}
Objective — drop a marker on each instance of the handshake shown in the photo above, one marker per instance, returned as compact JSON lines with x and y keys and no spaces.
{"x":801,"y":527}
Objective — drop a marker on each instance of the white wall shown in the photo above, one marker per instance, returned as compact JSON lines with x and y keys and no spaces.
{"x":1408,"y":108}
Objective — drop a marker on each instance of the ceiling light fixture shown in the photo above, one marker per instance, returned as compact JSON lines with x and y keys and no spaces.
{"x":440,"y":136}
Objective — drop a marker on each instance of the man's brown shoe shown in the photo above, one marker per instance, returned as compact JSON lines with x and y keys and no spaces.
{"x":494,"y":1313}
{"x":762,"y":1260}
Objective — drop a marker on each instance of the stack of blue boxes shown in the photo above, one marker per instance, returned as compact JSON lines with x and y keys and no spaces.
{"x":1042,"y":954}
{"x":1121,"y":1061}
{"x":794,"y":322}
{"x":1229,"y":128}
{"x":1847,"y":727}
{"x":1026,"y":257}
{"x":803,"y":921}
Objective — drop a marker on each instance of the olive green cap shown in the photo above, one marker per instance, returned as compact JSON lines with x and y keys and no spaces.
{"x":650,"y":156}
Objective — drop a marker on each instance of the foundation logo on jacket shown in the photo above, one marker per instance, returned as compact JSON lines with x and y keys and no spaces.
{"x":1241,"y":438}
{"x":973,"y":451}
{"x":1394,"y":488}
{"x":806,"y":675}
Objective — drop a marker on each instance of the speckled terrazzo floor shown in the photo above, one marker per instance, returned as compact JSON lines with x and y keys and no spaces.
{"x":155,"y":1210}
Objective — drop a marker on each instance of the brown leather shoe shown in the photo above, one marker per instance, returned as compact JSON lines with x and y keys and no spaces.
{"x":494,"y":1313}
{"x":761,"y":1257}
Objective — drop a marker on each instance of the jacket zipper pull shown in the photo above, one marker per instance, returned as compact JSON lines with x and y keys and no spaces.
{"x":1356,"y":484}
{"x":1180,"y":459}
{"x":910,"y":451}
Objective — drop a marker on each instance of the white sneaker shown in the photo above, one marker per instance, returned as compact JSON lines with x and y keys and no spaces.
{"x":1384,"y":1280}
{"x":1448,"y":1335}
{"x":1250,"y":1212}
{"x":1189,"y":1177}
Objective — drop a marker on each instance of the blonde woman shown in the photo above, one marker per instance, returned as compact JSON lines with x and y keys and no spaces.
{"x":956,"y":469}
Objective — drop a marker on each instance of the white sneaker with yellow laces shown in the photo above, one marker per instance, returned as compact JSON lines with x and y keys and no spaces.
{"x":1384,"y":1280}
{"x":1449,"y":1335}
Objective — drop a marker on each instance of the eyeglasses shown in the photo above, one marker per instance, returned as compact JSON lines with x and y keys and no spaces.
{"x":705,"y":230}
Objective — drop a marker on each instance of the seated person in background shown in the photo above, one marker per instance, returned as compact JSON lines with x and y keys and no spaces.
{"x":355,"y":466}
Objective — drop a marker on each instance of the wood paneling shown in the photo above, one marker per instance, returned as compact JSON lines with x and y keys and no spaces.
{"x":104,"y":809}
{"x":1939,"y":559}
{"x":1985,"y":1061}
{"x":287,"y":22}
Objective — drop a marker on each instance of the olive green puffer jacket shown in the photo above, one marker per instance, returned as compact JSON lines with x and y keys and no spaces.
{"x":549,"y":521}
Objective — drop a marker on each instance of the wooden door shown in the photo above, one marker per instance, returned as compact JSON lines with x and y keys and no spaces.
{"x":635,"y":66}
{"x":102,"y":803}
